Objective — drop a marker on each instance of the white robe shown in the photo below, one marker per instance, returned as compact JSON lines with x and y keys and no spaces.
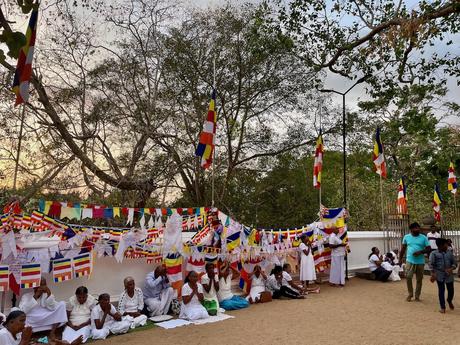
{"x":6,"y":338}
{"x":41,"y":315}
{"x":110,"y":325}
{"x":79,"y":314}
{"x":193,"y":310}
{"x":257,"y":287}
{"x":307,"y":265}
{"x":394,"y":276}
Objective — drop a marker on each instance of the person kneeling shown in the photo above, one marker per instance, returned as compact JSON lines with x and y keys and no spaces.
{"x":42,"y":311}
{"x":105,"y":319}
{"x":192,"y":299}
{"x":79,"y":314}
{"x":258,"y":293}
{"x":227,"y":299}
{"x":131,"y":304}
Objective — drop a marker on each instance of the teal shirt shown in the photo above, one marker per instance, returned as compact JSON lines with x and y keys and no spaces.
{"x":415,"y":244}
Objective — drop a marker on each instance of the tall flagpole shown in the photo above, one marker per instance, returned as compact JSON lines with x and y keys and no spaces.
{"x":18,"y":152}
{"x":381,"y":205}
{"x":215,"y":135}
{"x":322,"y":155}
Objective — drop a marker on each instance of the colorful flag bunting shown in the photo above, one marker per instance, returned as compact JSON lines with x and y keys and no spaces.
{"x":205,"y":148}
{"x":173,"y":264}
{"x":30,"y":276}
{"x":318,"y":165}
{"x":82,"y":265}
{"x":378,"y":155}
{"x":437,"y":203}
{"x":4,"y":278}
{"x":401,"y":203}
{"x":452,"y":179}
{"x":24,"y":66}
{"x":62,"y":270}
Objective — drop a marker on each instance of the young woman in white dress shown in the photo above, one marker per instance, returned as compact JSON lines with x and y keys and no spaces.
{"x":258,"y":280}
{"x":307,"y":262}
{"x":192,"y":299}
{"x":15,"y":332}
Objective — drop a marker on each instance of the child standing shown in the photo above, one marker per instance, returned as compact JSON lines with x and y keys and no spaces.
{"x":307,"y":262}
{"x":442,"y":264}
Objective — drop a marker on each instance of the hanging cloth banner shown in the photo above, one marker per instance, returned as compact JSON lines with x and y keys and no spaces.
{"x":4,"y":278}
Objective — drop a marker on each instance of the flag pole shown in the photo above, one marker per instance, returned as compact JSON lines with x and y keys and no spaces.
{"x":381,"y":205}
{"x":214,"y":150}
{"x":321,"y":133}
{"x":18,"y":152}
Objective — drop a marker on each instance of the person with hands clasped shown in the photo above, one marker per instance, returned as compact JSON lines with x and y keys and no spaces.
{"x":158,"y":293}
{"x":15,"y":331}
{"x":105,"y":319}
{"x":192,"y":299}
{"x":210,"y":282}
{"x":416,"y":245}
{"x":442,"y":265}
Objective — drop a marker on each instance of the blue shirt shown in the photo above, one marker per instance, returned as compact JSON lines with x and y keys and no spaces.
{"x":154,"y":286}
{"x":415,"y":244}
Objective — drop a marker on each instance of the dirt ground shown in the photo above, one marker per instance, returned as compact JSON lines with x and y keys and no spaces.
{"x":364,"y":312}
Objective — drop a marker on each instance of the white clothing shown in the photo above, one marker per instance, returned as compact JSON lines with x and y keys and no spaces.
{"x":335,"y":239}
{"x":6,"y":338}
{"x":212,"y":294}
{"x":286,"y":279}
{"x":129,"y":304}
{"x":395,"y":258}
{"x":160,"y":305}
{"x":372,"y":262}
{"x":257,"y":287}
{"x":337,"y":271}
{"x":70,"y":334}
{"x":80,"y":313}
{"x":193,"y":310}
{"x":41,"y":315}
{"x":225,"y":288}
{"x":394,"y":276}
{"x":307,"y":264}
{"x":110,"y":325}
{"x":432,"y":239}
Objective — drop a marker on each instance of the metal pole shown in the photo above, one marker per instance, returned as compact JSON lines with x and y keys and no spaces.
{"x":344,"y":135}
{"x":19,"y":146}
{"x":215,"y":111}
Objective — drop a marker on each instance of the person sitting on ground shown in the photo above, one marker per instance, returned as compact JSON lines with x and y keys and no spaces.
{"x":158,"y":293}
{"x":275,"y":285}
{"x":79,"y":314}
{"x":105,"y":319}
{"x":442,"y":264}
{"x":192,"y":299}
{"x":42,"y":311}
{"x":289,"y":282}
{"x":210,"y":283}
{"x":15,"y":331}
{"x":375,"y":265}
{"x":258,"y":292}
{"x":388,"y":265}
{"x":227,"y":299}
{"x":131,"y":303}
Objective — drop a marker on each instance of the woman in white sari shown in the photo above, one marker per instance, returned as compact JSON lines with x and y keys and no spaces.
{"x":192,"y":297}
{"x":79,"y":314}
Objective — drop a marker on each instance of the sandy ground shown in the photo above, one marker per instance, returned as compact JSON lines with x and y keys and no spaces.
{"x":364,"y":312}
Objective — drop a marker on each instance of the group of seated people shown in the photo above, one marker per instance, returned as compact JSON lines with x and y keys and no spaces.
{"x":84,"y":317}
{"x":385,"y":267}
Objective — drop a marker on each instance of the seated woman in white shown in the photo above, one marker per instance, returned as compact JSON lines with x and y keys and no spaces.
{"x":42,"y":311}
{"x":79,"y":314}
{"x":227,"y":299}
{"x":394,"y":269}
{"x":210,"y":283}
{"x":258,"y":280}
{"x":131,"y":304}
{"x":105,"y":319}
{"x":14,"y":331}
{"x":192,"y":297}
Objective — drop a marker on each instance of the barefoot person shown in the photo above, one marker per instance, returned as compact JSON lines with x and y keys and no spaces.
{"x":375,"y":265}
{"x":42,"y":311}
{"x":131,"y":303}
{"x":416,"y":246}
{"x":337,"y":271}
{"x":15,"y":332}
{"x":210,"y":282}
{"x":307,"y":262}
{"x":158,"y":293}
{"x":258,"y":280}
{"x":105,"y":319}
{"x":192,"y":299}
{"x":79,"y":314}
{"x":442,"y":265}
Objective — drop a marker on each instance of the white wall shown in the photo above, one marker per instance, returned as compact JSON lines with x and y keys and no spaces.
{"x":108,"y":275}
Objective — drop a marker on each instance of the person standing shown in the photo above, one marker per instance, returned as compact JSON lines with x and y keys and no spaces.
{"x":416,"y":245}
{"x":337,"y":271}
{"x":432,"y":236}
{"x":307,"y":262}
{"x":442,"y":265}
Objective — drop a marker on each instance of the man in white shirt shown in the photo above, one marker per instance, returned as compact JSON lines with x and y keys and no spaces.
{"x":337,"y":271}
{"x":42,"y":311}
{"x":432,"y":236}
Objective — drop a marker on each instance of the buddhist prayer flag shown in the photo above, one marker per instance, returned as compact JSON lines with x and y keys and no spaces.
{"x":437,"y":203}
{"x":24,"y":66}
{"x":234,"y":240}
{"x":318,"y":165}
{"x":82,"y":265}
{"x":62,"y":270}
{"x":173,"y":263}
{"x":4,"y":278}
{"x":401,"y":203}
{"x":378,"y":155}
{"x":205,"y":148}
{"x":30,"y":276}
{"x":452,"y":179}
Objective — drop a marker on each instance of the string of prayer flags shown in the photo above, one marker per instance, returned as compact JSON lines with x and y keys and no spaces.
{"x":82,"y":265}
{"x":62,"y":270}
{"x":4,"y":278}
{"x":31,"y":275}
